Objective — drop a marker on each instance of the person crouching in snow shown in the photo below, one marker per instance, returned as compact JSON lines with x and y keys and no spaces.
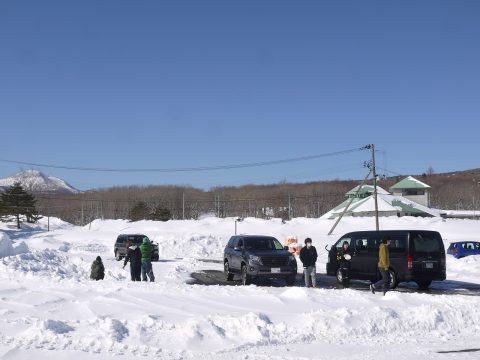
{"x":146,"y":249}
{"x":134,"y":255}
{"x":98,"y":270}
{"x":308,"y":256}
{"x":344,"y":257}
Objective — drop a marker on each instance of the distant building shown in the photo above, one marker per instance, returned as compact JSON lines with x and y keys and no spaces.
{"x":412,"y":189}
{"x":362,"y":202}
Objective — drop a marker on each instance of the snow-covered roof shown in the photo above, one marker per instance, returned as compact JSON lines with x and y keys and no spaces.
{"x":366,"y":189}
{"x":410,"y":183}
{"x":387,"y":203}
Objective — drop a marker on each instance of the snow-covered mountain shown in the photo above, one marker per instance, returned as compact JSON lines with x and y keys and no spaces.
{"x":34,"y":180}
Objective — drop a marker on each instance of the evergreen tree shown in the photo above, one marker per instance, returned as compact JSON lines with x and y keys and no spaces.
{"x":160,"y":214}
{"x":15,"y":203}
{"x":140,"y":211}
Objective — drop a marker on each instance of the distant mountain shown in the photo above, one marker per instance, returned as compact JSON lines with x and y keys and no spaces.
{"x":36,"y":181}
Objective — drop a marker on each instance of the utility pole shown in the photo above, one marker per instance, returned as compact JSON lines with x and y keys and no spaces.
{"x":289,"y":208}
{"x":377,"y":226}
{"x":349,"y":203}
{"x":183,"y":206}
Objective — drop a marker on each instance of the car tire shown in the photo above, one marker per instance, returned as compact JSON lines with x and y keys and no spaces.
{"x":226,"y":270}
{"x":118,"y":257}
{"x":424,"y":284}
{"x":290,"y":280}
{"x":339,"y":276}
{"x":246,"y":279}
{"x":393,"y":279}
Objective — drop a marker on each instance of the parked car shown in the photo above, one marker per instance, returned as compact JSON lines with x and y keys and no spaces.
{"x":255,"y":256}
{"x":120,"y":247}
{"x":464,"y":248}
{"x":414,"y":256}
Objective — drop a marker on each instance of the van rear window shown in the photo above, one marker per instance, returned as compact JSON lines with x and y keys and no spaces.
{"x":426,"y":243}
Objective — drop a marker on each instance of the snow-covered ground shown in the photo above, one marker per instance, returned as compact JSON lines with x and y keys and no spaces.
{"x":50,"y":308}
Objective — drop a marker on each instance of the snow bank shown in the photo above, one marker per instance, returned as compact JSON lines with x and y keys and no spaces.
{"x":8,"y":248}
{"x":50,"y":264}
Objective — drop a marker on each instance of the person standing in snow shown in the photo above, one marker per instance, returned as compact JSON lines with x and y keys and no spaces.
{"x":383,"y":267}
{"x":308,"y":257}
{"x":97,"y":270}
{"x":344,"y":257}
{"x":146,"y":249}
{"x":134,"y":255}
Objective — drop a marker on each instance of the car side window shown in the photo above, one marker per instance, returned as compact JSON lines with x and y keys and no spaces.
{"x":240,"y":243}
{"x":477,"y":246}
{"x":340,"y":242}
{"x":360,"y":244}
{"x":230,"y":243}
{"x":398,"y":243}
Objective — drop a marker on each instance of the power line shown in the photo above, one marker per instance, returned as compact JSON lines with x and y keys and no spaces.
{"x":188,"y":169}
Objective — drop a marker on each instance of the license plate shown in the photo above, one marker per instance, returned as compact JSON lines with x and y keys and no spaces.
{"x":275,"y":270}
{"x":429,"y":265}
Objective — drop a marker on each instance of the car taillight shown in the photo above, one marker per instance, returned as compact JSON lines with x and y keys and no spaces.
{"x":410,"y":262}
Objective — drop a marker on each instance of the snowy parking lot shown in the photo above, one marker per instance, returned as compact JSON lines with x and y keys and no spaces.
{"x":50,"y":308}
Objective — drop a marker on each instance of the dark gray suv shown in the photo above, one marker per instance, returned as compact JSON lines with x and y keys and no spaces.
{"x":120,"y":247}
{"x":255,"y":256}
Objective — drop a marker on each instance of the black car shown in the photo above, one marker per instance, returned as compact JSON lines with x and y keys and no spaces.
{"x":120,"y":247}
{"x":255,"y":256}
{"x":414,"y":256}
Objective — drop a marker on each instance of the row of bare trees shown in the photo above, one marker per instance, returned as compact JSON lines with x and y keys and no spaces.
{"x":283,"y":200}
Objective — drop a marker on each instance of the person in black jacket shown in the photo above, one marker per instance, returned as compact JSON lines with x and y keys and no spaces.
{"x":98,"y":270}
{"x":134,"y":255}
{"x":308,"y":257}
{"x":344,"y":257}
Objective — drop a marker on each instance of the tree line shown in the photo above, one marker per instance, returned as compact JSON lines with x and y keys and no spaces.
{"x":284,"y":200}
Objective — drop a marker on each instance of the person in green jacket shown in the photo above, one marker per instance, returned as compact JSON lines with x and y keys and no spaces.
{"x":98,"y":270}
{"x":146,"y":249}
{"x":383,"y":266}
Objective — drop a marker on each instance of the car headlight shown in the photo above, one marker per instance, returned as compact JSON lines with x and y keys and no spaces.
{"x":255,"y":258}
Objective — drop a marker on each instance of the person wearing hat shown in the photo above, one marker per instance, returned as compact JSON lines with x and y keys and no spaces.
{"x":308,"y":257}
{"x":134,"y":255}
{"x":97,"y":270}
{"x":146,"y":250}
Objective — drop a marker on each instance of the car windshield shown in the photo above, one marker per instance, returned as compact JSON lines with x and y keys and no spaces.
{"x":263,"y":244}
{"x":137,"y":239}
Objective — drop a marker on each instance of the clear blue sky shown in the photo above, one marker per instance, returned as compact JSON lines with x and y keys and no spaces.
{"x":151,"y":84}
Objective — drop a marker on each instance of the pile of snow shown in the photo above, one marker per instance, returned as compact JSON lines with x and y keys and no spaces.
{"x":47,"y":301}
{"x":51,"y":264}
{"x":8,"y":248}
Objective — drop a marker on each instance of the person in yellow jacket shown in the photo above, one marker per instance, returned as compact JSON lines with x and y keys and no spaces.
{"x":383,"y":267}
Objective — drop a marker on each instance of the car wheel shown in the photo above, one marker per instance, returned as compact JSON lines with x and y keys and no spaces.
{"x":246,"y":279}
{"x":290,"y":280}
{"x":226,"y":271}
{"x":339,"y":276}
{"x":424,"y":284}
{"x":393,"y":279}
{"x":118,"y":257}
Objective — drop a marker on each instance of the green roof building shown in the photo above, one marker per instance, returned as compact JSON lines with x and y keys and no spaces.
{"x":412,"y":189}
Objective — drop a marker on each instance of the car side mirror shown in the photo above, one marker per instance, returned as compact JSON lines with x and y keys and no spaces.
{"x":285,"y":248}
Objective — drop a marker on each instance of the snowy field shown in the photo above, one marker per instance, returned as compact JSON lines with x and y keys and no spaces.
{"x":50,"y":309}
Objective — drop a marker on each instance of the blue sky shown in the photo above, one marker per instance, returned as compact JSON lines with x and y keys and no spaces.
{"x":129,"y":84}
